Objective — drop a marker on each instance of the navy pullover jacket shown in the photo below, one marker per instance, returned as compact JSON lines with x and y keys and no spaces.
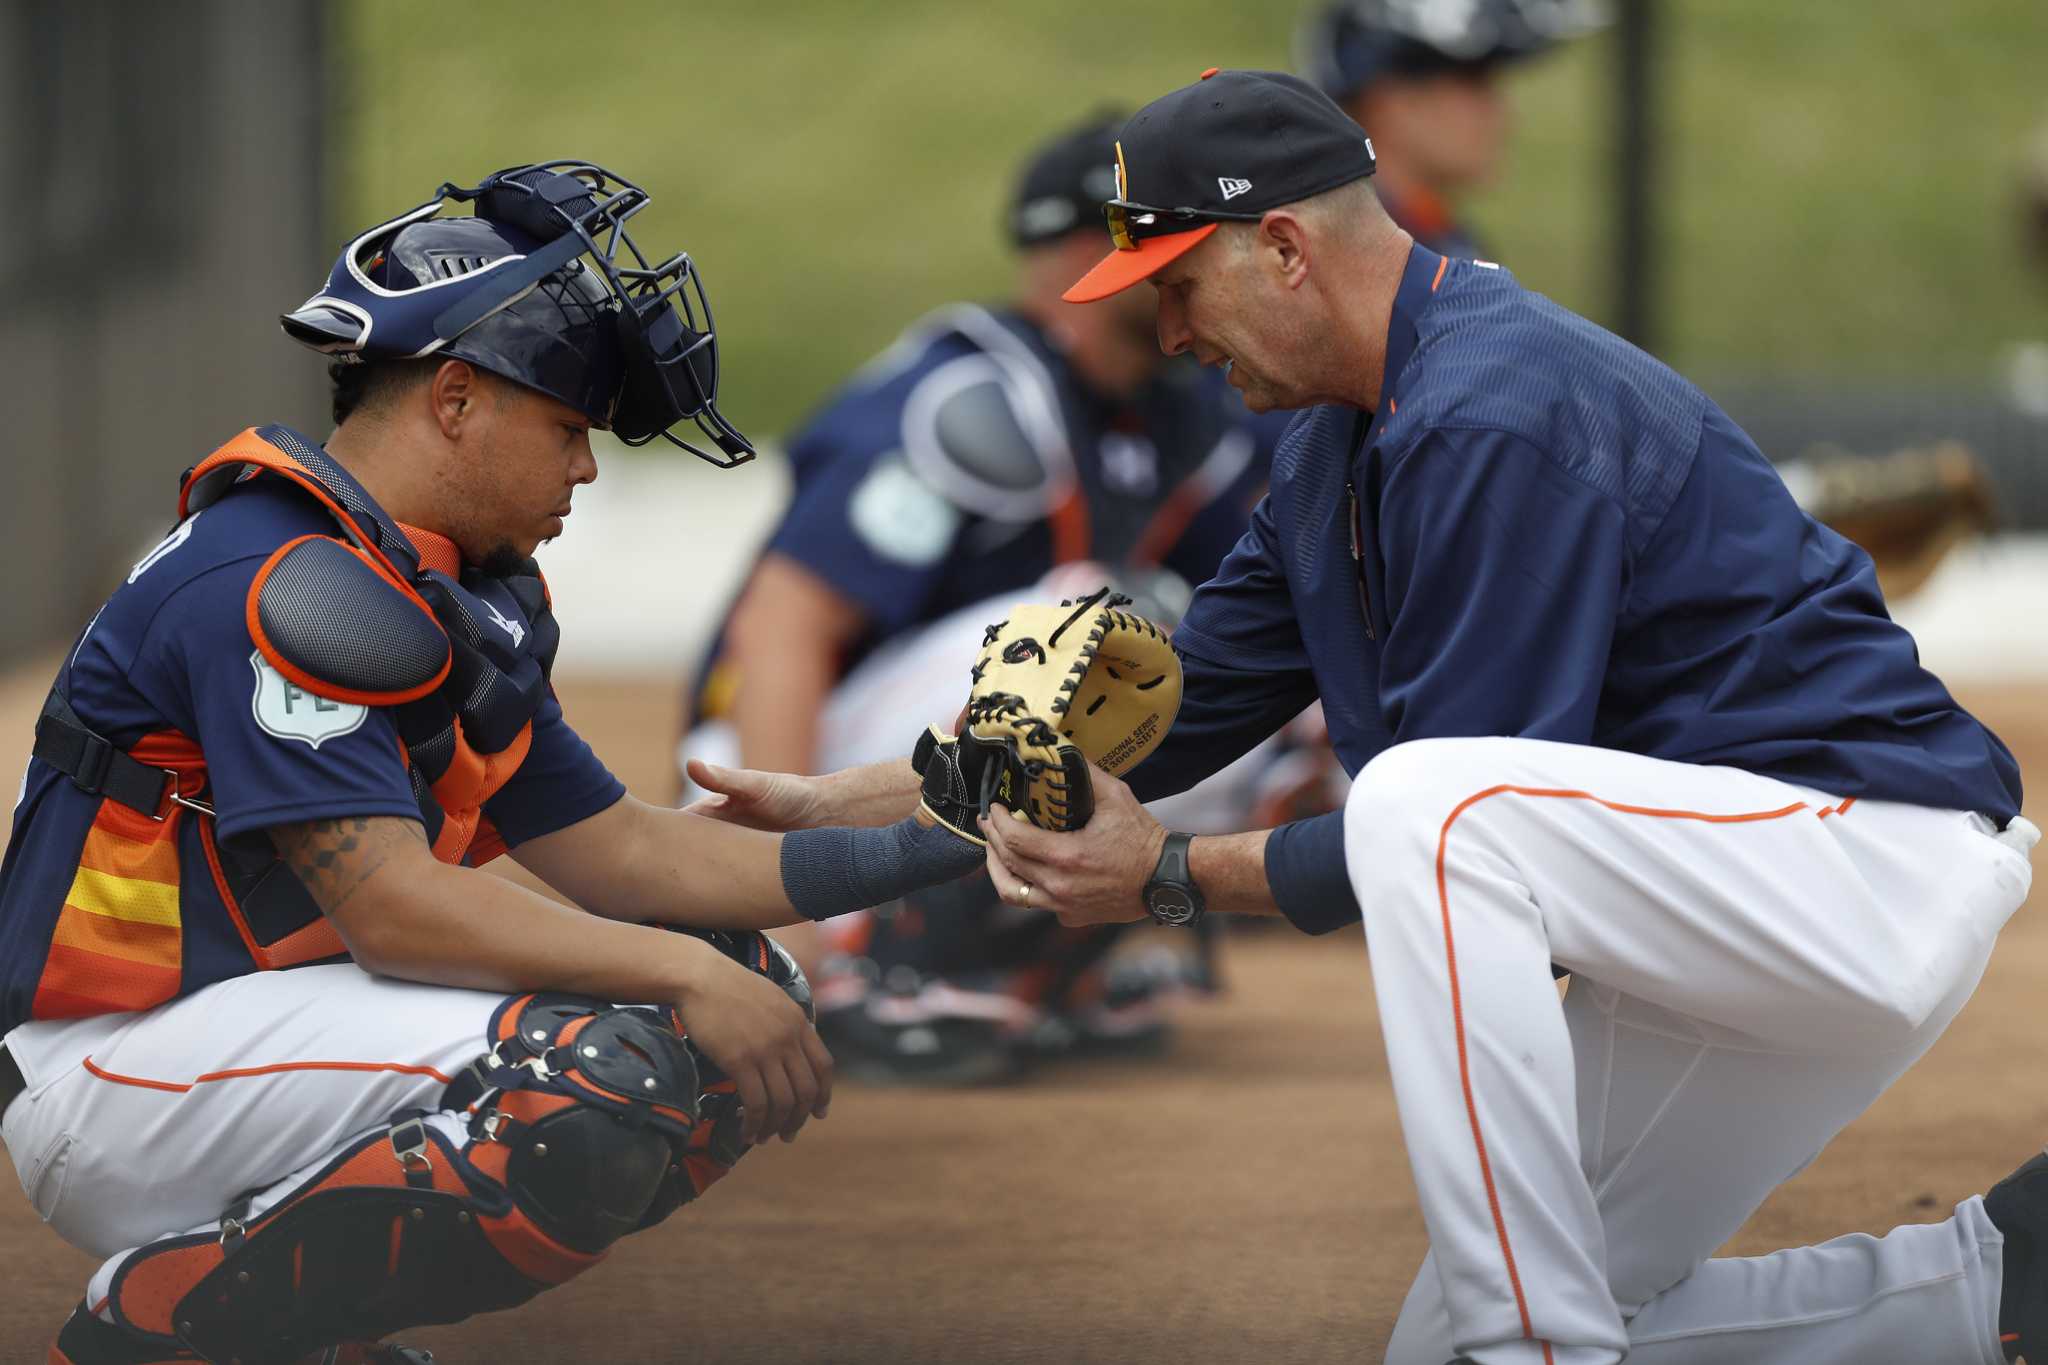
{"x":1545,"y":532}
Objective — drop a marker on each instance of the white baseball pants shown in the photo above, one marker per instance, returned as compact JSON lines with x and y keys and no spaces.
{"x":136,"y":1127}
{"x":1753,"y":963}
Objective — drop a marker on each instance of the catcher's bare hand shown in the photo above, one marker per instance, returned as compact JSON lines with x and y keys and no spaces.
{"x":758,"y":1036}
{"x":776,"y":802}
{"x":1093,"y":875}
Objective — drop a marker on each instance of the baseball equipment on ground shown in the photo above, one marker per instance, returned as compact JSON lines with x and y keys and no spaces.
{"x":1055,"y":689}
{"x":1908,"y":508}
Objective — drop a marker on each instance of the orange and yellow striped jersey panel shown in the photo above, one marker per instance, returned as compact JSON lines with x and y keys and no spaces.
{"x":119,"y":942}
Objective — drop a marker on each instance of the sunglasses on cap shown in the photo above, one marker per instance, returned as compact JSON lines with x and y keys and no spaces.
{"x":1131,"y":223}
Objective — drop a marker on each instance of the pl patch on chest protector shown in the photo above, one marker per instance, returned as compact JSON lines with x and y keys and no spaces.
{"x":336,"y":627}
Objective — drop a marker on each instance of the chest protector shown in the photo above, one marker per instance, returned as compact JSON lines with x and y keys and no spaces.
{"x":360,"y":616}
{"x":1008,"y":433}
{"x":364,"y":617}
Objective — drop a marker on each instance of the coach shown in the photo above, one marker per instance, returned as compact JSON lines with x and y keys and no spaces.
{"x":1614,"y":704}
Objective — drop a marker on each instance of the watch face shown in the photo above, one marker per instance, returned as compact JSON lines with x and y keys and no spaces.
{"x":1171,"y":905}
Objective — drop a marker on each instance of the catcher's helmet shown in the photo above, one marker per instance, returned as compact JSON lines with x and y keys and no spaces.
{"x":1345,"y":46}
{"x":532,"y":286}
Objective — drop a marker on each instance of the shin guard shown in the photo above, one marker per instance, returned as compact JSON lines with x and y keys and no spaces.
{"x":578,"y":1116}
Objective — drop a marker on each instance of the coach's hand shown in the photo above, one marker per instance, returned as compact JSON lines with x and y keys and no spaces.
{"x":776,"y":802}
{"x":1094,"y":875}
{"x":758,"y":1036}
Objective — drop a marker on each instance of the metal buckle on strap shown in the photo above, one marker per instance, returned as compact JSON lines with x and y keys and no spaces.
{"x":172,"y":798}
{"x":234,"y":1224}
{"x":492,"y":1072}
{"x":409,"y":1144}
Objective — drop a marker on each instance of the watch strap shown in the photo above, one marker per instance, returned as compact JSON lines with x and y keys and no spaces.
{"x":1173,"y":861}
{"x":1172,"y":874}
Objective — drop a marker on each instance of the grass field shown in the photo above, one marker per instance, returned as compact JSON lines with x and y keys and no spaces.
{"x":1838,"y":181}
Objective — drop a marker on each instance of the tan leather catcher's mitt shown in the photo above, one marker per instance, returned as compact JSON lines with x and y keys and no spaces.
{"x":1055,"y":689}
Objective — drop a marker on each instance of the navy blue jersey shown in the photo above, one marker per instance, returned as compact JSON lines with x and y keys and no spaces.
{"x":139,"y":915}
{"x":969,"y":459}
{"x":1545,"y":532}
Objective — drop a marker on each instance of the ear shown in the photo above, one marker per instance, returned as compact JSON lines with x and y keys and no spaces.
{"x":1284,"y":243}
{"x":454,"y":393}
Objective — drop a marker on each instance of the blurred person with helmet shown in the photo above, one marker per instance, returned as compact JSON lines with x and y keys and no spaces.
{"x":1424,"y":78}
{"x":991,"y":454}
{"x":272,"y":1046}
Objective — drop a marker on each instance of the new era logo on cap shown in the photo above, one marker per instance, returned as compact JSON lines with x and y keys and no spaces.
{"x":1232,"y":187}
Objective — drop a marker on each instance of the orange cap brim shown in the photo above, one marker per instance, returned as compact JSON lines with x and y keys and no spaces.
{"x":1119,"y":270}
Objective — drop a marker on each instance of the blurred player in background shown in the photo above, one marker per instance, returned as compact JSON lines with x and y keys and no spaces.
{"x":2027,"y":367}
{"x":1426,"y":80}
{"x":986,"y":450}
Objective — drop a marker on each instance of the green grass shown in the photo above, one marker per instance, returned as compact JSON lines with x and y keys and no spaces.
{"x":1837,"y":180}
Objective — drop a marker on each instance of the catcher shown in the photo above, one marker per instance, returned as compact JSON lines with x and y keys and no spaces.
{"x":272,"y":1047}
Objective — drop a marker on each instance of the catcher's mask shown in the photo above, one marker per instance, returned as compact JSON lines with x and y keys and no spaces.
{"x":542,"y":285}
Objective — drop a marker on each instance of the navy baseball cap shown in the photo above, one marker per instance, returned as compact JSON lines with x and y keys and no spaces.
{"x":1065,"y":182}
{"x":1228,"y":148}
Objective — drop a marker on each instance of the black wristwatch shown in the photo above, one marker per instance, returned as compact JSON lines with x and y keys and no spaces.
{"x":1172,"y":896}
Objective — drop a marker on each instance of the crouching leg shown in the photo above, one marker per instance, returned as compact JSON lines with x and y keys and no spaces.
{"x":554,"y":1144}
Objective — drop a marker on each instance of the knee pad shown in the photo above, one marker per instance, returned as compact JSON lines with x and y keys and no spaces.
{"x":714,"y":1146}
{"x":583,"y":1111}
{"x":763,"y":956}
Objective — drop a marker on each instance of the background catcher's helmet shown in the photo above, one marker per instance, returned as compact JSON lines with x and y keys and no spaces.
{"x":533,"y":287}
{"x":1345,"y":46}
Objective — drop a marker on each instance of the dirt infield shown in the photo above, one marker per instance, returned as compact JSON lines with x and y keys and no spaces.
{"x":1245,"y":1199}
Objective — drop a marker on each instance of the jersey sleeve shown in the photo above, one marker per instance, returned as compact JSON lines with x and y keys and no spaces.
{"x":865,"y":522}
{"x":275,"y":754}
{"x":561,"y":782}
{"x":1245,"y":668}
{"x":1504,"y":576}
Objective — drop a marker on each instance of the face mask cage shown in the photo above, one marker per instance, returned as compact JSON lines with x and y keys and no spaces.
{"x":665,"y":324}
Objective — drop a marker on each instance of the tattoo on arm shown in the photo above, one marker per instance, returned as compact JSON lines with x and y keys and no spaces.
{"x":333,"y":859}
